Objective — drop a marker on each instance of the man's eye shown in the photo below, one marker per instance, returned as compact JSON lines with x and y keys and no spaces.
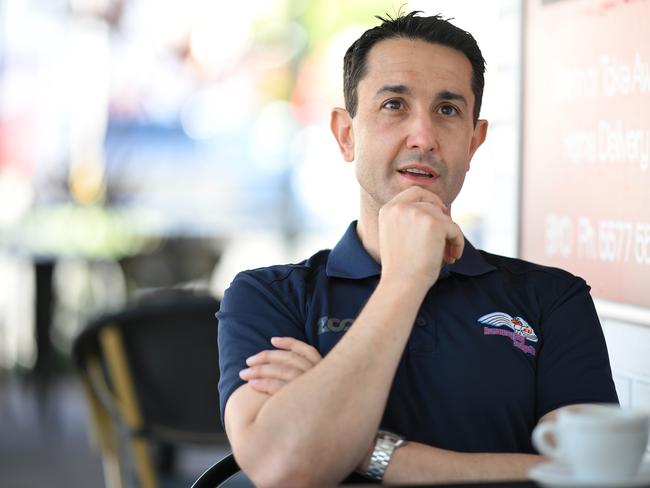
{"x":393,"y":105}
{"x":448,"y":110}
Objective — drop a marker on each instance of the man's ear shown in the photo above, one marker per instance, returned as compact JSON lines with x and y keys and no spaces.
{"x":480,"y":133}
{"x":341,"y":125}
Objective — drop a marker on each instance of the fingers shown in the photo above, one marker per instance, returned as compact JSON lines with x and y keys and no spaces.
{"x":280,"y":357}
{"x":455,"y":243}
{"x":415,"y":194}
{"x":433,"y":205}
{"x":268,"y":386}
{"x":420,"y":199}
{"x":271,"y":371}
{"x":299,"y":347}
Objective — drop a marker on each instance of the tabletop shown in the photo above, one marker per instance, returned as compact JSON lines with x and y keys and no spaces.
{"x":484,"y":484}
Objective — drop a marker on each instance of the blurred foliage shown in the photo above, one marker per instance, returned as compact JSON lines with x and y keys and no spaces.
{"x":324,"y":18}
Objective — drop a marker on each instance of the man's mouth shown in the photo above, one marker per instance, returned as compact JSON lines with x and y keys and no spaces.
{"x":418,"y":172}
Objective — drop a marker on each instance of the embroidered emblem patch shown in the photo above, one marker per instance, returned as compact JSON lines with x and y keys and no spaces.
{"x":520,"y":331}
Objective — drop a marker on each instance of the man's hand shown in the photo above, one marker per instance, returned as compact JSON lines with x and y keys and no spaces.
{"x":270,"y":370}
{"x":417,"y":236}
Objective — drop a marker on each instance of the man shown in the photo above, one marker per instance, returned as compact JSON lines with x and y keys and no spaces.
{"x":404,"y":354}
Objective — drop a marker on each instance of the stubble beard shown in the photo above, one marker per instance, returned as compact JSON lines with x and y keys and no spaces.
{"x":425,"y":158}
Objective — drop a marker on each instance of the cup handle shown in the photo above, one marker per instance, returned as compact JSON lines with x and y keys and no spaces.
{"x":540,"y":439}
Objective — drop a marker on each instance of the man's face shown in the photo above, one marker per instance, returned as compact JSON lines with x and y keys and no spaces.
{"x":414,"y":121}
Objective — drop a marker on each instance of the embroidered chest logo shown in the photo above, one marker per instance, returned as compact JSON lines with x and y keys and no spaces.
{"x":519,"y":331}
{"x":331,"y":324}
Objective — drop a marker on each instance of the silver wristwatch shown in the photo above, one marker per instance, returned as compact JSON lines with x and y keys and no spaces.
{"x":385,"y":445}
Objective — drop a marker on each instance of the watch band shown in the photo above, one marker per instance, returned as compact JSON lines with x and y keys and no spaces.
{"x":385,"y":445}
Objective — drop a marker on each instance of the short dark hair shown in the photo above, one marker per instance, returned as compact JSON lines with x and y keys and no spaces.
{"x":433,"y":29}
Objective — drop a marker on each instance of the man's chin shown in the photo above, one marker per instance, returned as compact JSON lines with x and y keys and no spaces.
{"x":424,"y":186}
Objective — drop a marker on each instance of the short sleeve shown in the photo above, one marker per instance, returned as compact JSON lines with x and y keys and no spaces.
{"x":251,"y":313}
{"x":573,"y":364}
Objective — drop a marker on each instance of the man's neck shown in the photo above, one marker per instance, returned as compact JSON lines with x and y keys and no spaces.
{"x":368,"y":231}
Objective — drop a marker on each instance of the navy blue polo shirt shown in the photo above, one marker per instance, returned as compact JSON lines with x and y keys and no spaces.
{"x":497,"y":342}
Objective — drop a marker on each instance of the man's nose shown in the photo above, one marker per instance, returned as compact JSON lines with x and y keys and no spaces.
{"x":422,"y":133}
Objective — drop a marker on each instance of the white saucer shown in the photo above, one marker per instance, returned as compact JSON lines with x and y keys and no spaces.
{"x":557,"y":475}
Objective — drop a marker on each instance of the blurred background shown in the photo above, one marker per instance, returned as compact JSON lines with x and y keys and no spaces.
{"x":197,"y":131}
{"x":148,"y":145}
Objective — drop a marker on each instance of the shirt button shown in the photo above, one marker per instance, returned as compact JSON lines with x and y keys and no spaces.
{"x":420,"y":321}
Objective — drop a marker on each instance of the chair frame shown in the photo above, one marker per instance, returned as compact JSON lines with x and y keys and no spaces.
{"x":112,"y":345}
{"x":218,"y":473}
{"x":112,"y":400}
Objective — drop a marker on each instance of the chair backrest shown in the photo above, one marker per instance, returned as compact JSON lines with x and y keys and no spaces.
{"x":218,"y":473}
{"x":170,"y":363}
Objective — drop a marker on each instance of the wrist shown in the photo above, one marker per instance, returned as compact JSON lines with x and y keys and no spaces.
{"x":362,"y":467}
{"x":405,"y":286}
{"x":386,"y":444}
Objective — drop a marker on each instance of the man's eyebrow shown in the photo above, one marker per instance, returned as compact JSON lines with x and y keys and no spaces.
{"x":398,"y":89}
{"x":451,"y":96}
{"x":405,"y":90}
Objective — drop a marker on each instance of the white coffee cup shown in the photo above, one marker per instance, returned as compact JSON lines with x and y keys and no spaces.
{"x":598,"y":442}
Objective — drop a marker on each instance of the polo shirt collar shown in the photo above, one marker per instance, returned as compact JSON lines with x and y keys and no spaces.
{"x":471,"y":263}
{"x":350,"y":260}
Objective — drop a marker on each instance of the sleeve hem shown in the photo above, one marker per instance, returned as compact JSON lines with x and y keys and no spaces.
{"x":574,"y":401}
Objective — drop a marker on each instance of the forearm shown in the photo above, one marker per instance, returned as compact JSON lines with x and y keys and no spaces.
{"x":326,"y":419}
{"x":419,"y":463}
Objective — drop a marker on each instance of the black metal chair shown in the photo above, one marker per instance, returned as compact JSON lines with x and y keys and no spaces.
{"x":218,"y":473}
{"x":151,"y":369}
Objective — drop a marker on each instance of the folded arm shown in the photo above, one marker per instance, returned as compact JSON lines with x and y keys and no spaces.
{"x":419,"y":463}
{"x":317,"y":428}
{"x":412,"y":463}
